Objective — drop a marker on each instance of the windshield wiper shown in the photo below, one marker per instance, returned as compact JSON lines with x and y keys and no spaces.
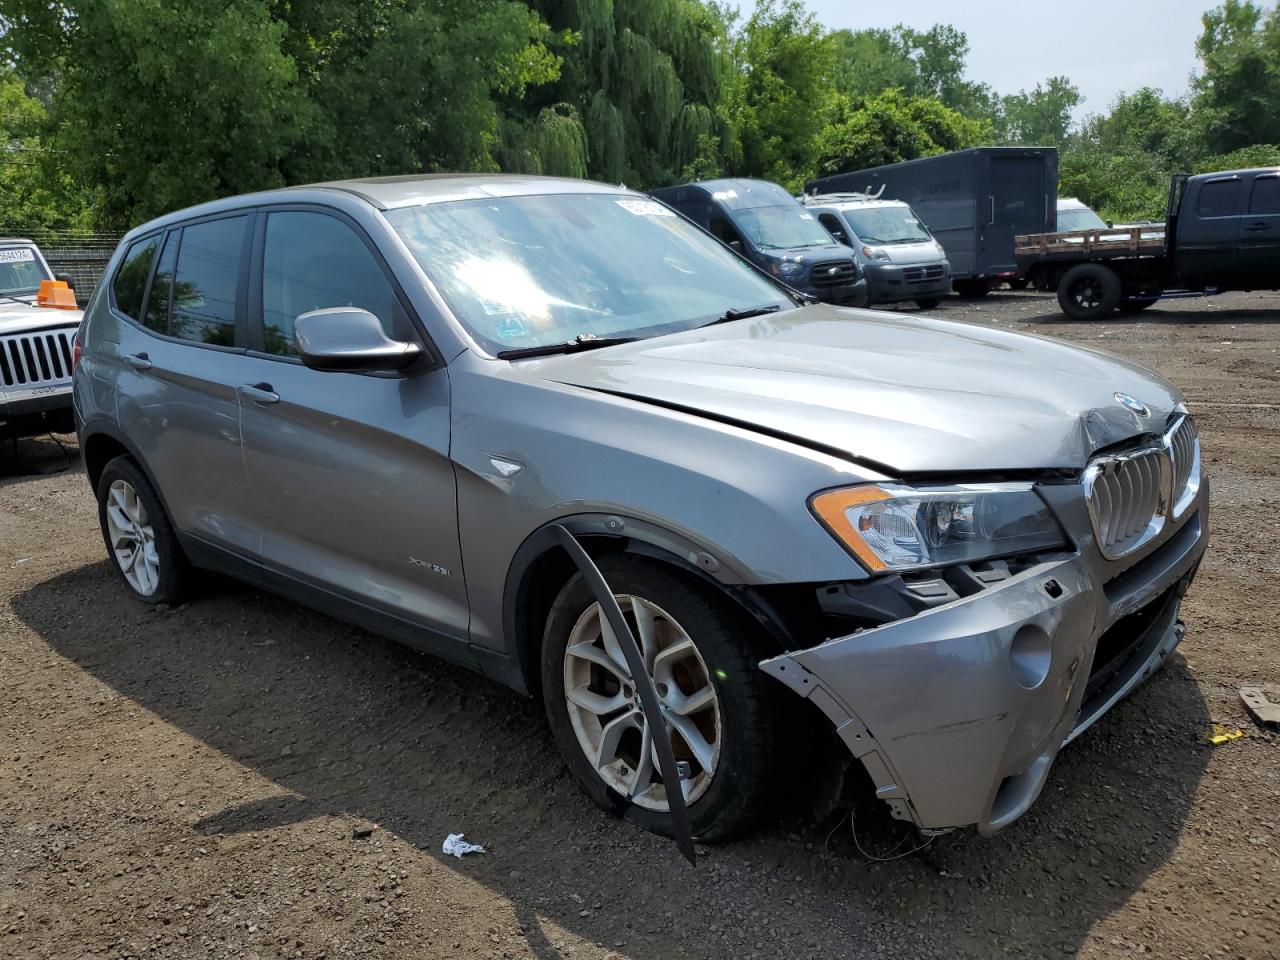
{"x":735,"y":313}
{"x":583,"y":341}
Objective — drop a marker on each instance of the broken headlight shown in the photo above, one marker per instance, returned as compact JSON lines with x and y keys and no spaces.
{"x":900,"y":528}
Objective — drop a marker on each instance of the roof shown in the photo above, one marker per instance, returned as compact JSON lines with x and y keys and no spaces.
{"x":836,"y":202}
{"x":739,"y":193}
{"x":414,"y":189}
{"x":387,"y":193}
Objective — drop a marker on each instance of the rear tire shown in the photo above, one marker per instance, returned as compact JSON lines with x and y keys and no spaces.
{"x":741,"y":723}
{"x":141,"y":543}
{"x":929,"y":303}
{"x":972,"y":289}
{"x":1089,"y":291}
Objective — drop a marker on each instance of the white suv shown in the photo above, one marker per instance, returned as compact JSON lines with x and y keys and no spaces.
{"x":37,"y":337}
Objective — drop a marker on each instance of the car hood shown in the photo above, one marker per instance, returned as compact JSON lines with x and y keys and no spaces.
{"x":19,"y":317}
{"x":902,"y":393}
{"x":904,"y":253}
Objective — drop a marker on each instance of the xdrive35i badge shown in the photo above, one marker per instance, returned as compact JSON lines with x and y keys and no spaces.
{"x":1132,"y":403}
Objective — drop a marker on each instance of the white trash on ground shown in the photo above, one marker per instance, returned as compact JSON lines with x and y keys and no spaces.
{"x":454,"y":844}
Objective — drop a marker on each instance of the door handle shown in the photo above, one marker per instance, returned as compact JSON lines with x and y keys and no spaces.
{"x":139,"y":361}
{"x":259,"y":392}
{"x":1259,"y":225}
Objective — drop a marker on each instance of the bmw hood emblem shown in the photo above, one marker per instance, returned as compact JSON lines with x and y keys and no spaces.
{"x":1132,"y":403}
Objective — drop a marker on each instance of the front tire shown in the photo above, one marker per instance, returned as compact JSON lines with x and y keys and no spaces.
{"x":141,"y":543}
{"x":1089,"y":291}
{"x":929,"y":303}
{"x":972,"y":289}
{"x":719,"y":707}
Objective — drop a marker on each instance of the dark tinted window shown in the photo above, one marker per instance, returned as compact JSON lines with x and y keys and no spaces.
{"x":1219,"y":198}
{"x":160,"y":302}
{"x":131,"y":279}
{"x":204,"y":301}
{"x":834,"y":226}
{"x":312,"y":261}
{"x":1266,"y":195}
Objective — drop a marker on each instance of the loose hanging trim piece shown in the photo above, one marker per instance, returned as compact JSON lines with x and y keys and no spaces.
{"x":644,"y":686}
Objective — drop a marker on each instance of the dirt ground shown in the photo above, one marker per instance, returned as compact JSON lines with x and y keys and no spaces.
{"x":197,"y":782}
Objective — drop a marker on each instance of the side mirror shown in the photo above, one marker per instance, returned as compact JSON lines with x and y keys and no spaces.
{"x":65,"y":278}
{"x":349,"y":340}
{"x":1110,"y":223}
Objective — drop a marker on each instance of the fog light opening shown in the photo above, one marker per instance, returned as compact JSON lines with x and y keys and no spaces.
{"x":1030,"y":656}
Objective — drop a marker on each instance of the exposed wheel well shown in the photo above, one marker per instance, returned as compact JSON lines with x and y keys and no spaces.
{"x":552,"y":569}
{"x":99,"y":450}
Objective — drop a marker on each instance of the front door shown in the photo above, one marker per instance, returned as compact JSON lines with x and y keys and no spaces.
{"x":356,"y":492}
{"x":1260,"y":234}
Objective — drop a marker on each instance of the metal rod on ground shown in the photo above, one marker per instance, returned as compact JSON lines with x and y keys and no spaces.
{"x":649,"y":703}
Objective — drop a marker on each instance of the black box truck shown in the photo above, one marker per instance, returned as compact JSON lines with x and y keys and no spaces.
{"x":974,"y":201}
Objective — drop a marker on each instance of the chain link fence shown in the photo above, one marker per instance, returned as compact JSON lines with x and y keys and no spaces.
{"x":79,"y":255}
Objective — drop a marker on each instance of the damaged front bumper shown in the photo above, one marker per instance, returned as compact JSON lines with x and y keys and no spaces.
{"x":958,"y":712}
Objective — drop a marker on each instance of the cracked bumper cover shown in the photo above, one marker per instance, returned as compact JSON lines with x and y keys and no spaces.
{"x":958,"y":712}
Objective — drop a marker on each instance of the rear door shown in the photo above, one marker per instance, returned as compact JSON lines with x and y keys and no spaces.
{"x":1260,"y":234}
{"x":354,"y":489}
{"x":176,"y":367}
{"x":1209,"y":233}
{"x":1016,"y":205}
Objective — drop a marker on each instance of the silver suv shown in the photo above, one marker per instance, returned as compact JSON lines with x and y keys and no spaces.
{"x":952,"y":547}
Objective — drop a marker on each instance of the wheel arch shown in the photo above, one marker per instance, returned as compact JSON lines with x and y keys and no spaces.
{"x":540,"y":567}
{"x":100,"y":443}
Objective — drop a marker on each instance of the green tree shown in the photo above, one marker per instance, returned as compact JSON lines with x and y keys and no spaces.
{"x":1238,"y":92}
{"x":892,"y":127}
{"x":638,"y":98}
{"x":781,"y":98}
{"x":37,"y":192}
{"x":1039,"y":117}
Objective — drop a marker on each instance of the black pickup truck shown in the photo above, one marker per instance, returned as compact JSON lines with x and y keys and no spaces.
{"x":1222,"y":232}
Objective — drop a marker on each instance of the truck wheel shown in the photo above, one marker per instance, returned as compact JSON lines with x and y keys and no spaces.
{"x":1137,"y":306}
{"x":1089,"y":291}
{"x":1019,"y":283}
{"x":928,"y":303}
{"x":972,"y":289}
{"x":720,"y":710}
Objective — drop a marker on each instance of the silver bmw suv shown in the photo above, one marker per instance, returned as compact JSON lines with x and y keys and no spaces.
{"x":954,"y":547}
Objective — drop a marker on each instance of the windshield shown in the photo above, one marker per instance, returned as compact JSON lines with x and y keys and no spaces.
{"x":20,"y":271}
{"x":781,"y":227}
{"x":887,"y":225}
{"x":536,"y":271}
{"x":1079,"y":219}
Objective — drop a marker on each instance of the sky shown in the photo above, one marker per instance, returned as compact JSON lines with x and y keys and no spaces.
{"x":1104,"y":46}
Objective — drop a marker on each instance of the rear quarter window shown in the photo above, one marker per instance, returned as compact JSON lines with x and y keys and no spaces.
{"x":130,"y":283}
{"x":1266,"y":195}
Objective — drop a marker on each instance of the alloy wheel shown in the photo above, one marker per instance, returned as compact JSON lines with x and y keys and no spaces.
{"x":133,"y":539}
{"x":604,"y":706}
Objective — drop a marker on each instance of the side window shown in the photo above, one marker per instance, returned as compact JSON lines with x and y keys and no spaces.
{"x":130,"y":283}
{"x":312,"y":261}
{"x":834,"y":227}
{"x":204,"y":283}
{"x":1265,"y":197}
{"x":160,"y":300}
{"x":1219,"y":198}
{"x":724,"y":230}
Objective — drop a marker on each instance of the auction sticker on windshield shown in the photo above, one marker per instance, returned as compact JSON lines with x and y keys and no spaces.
{"x":645,"y":208}
{"x":17,"y":255}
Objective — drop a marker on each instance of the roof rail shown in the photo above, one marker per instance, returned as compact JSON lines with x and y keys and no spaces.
{"x":847,"y":195}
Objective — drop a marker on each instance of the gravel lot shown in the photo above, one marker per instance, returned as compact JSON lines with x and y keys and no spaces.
{"x":191,"y":782}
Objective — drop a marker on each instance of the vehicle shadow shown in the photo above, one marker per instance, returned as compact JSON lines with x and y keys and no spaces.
{"x":346,"y":723}
{"x":1155,"y":316}
{"x":36,"y":457}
